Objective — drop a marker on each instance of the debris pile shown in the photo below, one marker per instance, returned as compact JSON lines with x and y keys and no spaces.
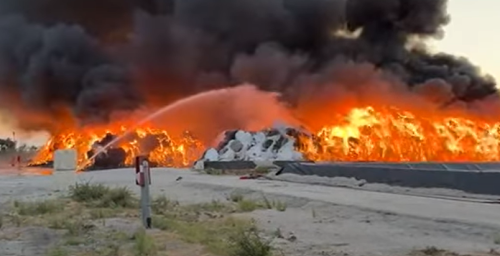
{"x":268,"y":145}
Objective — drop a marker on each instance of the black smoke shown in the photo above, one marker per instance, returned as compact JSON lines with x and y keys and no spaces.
{"x":97,"y":56}
{"x":45,"y":68}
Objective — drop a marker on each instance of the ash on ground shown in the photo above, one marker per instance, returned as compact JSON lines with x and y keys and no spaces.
{"x":268,"y":145}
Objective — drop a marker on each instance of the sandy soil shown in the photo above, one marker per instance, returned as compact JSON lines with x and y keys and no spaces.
{"x":319,"y":219}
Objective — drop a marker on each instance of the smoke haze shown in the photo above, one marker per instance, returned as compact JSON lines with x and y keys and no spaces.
{"x":86,"y":59}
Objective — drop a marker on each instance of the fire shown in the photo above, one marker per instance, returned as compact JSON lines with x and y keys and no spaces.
{"x":156,"y":143}
{"x":390,"y":134}
{"x":363,"y":134}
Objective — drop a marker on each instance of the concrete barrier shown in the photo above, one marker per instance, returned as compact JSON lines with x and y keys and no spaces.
{"x":484,"y":178}
{"x":240,"y":165}
{"x":65,"y":160}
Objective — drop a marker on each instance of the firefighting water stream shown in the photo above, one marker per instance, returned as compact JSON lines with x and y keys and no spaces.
{"x":223,"y":100}
{"x":358,"y":133}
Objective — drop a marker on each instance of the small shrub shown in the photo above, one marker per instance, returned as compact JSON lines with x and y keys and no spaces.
{"x":87,"y":192}
{"x":267,"y":203}
{"x":74,"y":241}
{"x":214,"y":206}
{"x":75,"y":227}
{"x":262,"y":170}
{"x":162,"y":204}
{"x":211,"y":171}
{"x":280,"y":206}
{"x":57,"y":251}
{"x":118,"y":197}
{"x":249,"y":243}
{"x":111,"y":250}
{"x":101,"y":213}
{"x":248,"y":205}
{"x":144,"y":245}
{"x":432,"y":251}
{"x":78,"y":227}
{"x":162,"y":223}
{"x":38,"y":208}
{"x":496,"y":239}
{"x":16,"y":219}
{"x":235,"y":197}
{"x":102,"y":196}
{"x":277,"y":233}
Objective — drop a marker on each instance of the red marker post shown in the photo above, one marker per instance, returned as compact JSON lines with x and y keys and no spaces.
{"x":143,"y":179}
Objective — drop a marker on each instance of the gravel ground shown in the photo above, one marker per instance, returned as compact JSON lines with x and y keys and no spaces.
{"x":320,"y":219}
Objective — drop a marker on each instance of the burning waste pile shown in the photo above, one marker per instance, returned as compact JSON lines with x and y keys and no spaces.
{"x":112,"y":151}
{"x":268,"y":145}
{"x":116,"y":151}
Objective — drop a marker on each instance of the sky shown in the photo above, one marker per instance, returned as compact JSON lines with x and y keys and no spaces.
{"x":474,"y":33}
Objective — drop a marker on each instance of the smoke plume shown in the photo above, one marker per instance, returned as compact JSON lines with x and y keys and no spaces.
{"x":92,"y":58}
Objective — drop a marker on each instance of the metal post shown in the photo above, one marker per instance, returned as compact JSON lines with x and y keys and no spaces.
{"x":145,"y":197}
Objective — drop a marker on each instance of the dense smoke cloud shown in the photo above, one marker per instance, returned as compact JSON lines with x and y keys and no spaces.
{"x":45,"y":69}
{"x":94,"y":57}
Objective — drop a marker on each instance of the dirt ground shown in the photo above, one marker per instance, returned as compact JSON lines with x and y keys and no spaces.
{"x":195,"y":212}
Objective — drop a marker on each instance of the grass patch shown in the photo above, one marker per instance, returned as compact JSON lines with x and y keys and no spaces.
{"x":101,"y":213}
{"x":263,"y":170}
{"x":87,"y":192}
{"x":280,"y":206}
{"x":235,"y":197}
{"x":214,"y":206}
{"x":99,"y":195}
{"x":161,"y":205}
{"x":246,"y":205}
{"x":214,"y":234}
{"x":249,"y":205}
{"x":496,"y":239}
{"x":433,"y":251}
{"x":250,"y":243}
{"x":211,"y":171}
{"x":144,"y":245}
{"x":38,"y":208}
{"x":84,"y":216}
{"x":57,"y":251}
{"x":75,"y":226}
{"x":209,"y":224}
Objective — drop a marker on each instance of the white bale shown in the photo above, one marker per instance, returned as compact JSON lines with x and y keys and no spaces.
{"x":65,"y":160}
{"x":264,"y":146}
{"x":229,"y":155}
{"x":212,"y":155}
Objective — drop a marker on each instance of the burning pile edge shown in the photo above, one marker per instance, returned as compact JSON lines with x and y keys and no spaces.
{"x":274,"y":144}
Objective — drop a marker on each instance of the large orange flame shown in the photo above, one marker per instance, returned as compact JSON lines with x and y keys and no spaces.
{"x":363,"y":134}
{"x":166,"y":151}
{"x":390,"y":134}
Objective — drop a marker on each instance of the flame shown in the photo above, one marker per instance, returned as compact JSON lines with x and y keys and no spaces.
{"x":166,"y":150}
{"x":362,"y":134}
{"x":391,"y":134}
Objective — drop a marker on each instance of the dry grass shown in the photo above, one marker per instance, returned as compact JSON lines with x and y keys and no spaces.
{"x":85,"y":220}
{"x":249,"y":205}
{"x":433,"y":251}
{"x":496,"y":239}
{"x":86,"y":215}
{"x":99,"y":195}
